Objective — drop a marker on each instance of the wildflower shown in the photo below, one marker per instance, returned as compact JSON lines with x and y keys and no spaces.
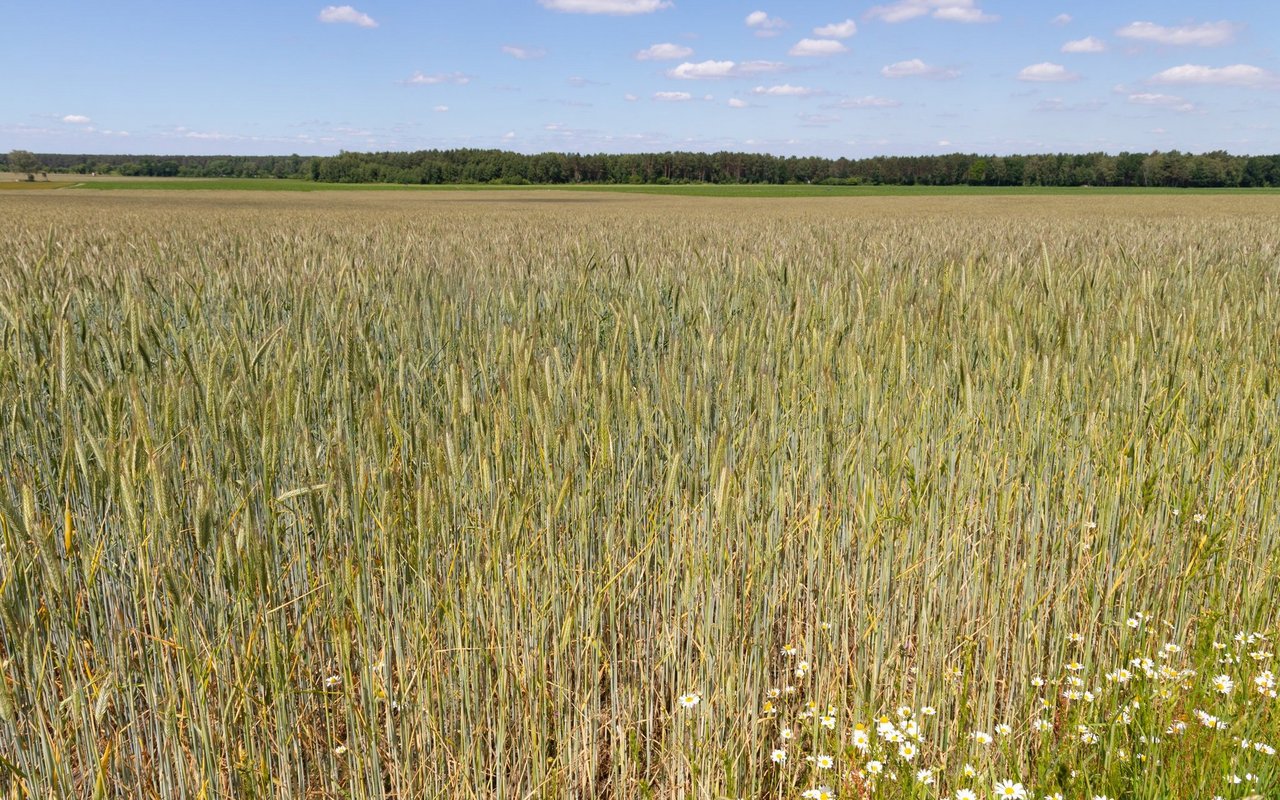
{"x":925,"y":776}
{"x":1037,"y":681}
{"x":1009,"y":789}
{"x":786,"y":734}
{"x":860,"y":739}
{"x":332,"y":681}
{"x":690,"y":700}
{"x":826,"y":627}
{"x":828,"y":722}
{"x":824,"y":762}
{"x":907,"y":751}
{"x":340,"y":749}
{"x":773,"y":694}
{"x":980,"y":737}
{"x":802,"y":668}
{"x":1133,"y":622}
{"x":789,"y":650}
{"x":904,"y":712}
{"x":1223,"y":684}
{"x":1003,"y":729}
{"x":928,"y":711}
{"x":1198,"y":518}
{"x":1043,"y":725}
{"x":1265,"y":683}
{"x":1075,"y":638}
{"x":820,"y":793}
{"x":1074,"y":666}
{"x":965,"y":794}
{"x":789,"y":690}
{"x":778,"y":756}
{"x":968,"y":771}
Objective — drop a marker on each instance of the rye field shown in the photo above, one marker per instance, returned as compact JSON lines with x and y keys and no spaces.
{"x":549,"y":494}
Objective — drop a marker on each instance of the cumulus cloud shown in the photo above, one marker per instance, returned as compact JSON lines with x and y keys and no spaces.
{"x":347,"y":15}
{"x":619,"y":8}
{"x":763,"y":24}
{"x":915,"y":68}
{"x":785,"y":90}
{"x":1061,"y":19}
{"x":1046,"y":72}
{"x":1206,"y":34}
{"x":664,"y":52}
{"x":870,"y":101}
{"x":1088,"y":44}
{"x":837,"y":30}
{"x":440,"y":109}
{"x":77,"y":119}
{"x":523,"y":53}
{"x":721,"y":69}
{"x":817,"y":47}
{"x":423,"y":79}
{"x":736,"y":103}
{"x":1234,"y":75}
{"x":672,"y":97}
{"x":949,"y":10}
{"x":1169,"y":101}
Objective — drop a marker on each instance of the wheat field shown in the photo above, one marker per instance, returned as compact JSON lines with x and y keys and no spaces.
{"x":542,"y":495}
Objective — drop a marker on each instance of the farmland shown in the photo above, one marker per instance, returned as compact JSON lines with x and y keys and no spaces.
{"x":579,"y":494}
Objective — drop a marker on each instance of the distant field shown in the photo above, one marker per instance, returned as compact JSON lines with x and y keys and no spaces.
{"x":580,"y":494}
{"x":753,"y":190}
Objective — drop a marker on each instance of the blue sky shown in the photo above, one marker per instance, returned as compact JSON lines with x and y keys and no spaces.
{"x":826,"y":78}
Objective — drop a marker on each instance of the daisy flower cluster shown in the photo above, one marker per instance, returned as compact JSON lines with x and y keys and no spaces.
{"x":1097,"y":726}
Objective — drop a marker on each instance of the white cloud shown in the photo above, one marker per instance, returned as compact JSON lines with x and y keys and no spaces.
{"x":523,"y":53}
{"x":76,"y":119}
{"x":817,"y":47}
{"x":1061,"y":19}
{"x":509,"y":135}
{"x":440,"y":109}
{"x":1234,"y":75}
{"x":422,"y":79}
{"x":722,"y":69}
{"x":764,"y":24}
{"x":1045,"y":72}
{"x":1206,"y":34}
{"x":785,"y":90}
{"x":816,"y":120}
{"x":736,"y":103}
{"x":870,"y":101}
{"x":915,"y":68}
{"x":615,"y":7}
{"x":348,"y":15}
{"x":664,"y":52}
{"x":1088,"y":44}
{"x":949,"y":10}
{"x":630,"y":98}
{"x":1168,"y":101}
{"x":837,"y":30}
{"x":672,"y":97}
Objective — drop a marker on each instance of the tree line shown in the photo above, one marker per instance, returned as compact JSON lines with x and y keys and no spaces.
{"x":1158,"y":169}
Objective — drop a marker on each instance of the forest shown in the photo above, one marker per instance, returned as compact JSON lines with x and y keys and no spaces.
{"x":1157,"y":169}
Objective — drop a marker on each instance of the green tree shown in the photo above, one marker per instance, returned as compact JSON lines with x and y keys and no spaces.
{"x":24,"y":161}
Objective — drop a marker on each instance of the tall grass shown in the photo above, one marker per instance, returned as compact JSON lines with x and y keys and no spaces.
{"x":384,"y":496}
